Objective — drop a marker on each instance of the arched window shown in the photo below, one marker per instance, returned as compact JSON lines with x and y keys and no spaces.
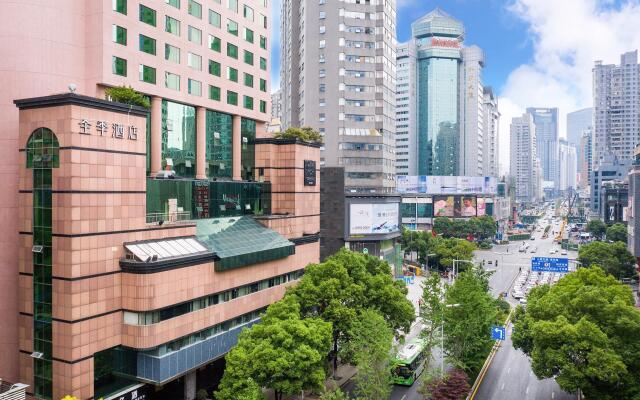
{"x":43,"y":149}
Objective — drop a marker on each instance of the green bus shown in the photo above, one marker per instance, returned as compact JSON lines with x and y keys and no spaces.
{"x":409,"y":362}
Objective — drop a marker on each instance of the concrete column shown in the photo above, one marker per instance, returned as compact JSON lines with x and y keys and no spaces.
{"x":201,"y":143}
{"x":237,"y":148}
{"x":190,"y":386}
{"x":156,"y":134}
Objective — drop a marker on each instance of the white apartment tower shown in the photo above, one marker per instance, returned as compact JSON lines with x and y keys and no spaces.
{"x":525,"y":165}
{"x":339,"y":76}
{"x":472,"y":136}
{"x":616,"y":113}
{"x":568,"y":166}
{"x":491,"y":148}
{"x":406,"y":139}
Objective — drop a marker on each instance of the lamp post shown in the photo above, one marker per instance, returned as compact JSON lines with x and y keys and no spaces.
{"x":455,"y":267}
{"x":442,"y":340}
{"x":427,"y":260}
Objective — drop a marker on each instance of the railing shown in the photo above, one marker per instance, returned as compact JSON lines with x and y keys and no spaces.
{"x":168,"y":218}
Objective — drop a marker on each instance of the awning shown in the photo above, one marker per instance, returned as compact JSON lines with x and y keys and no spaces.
{"x":156,"y":255}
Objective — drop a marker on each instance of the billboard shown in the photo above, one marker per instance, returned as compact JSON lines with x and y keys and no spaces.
{"x":372,"y":219}
{"x":466,"y":207}
{"x":481,"y":206}
{"x":443,"y":206}
{"x":547,"y":264}
{"x":446,"y":184}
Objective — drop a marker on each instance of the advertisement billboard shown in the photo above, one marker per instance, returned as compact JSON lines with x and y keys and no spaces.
{"x":481,"y":207}
{"x":443,"y":206}
{"x":372,"y":219}
{"x":465,"y":207}
{"x":447,"y":184}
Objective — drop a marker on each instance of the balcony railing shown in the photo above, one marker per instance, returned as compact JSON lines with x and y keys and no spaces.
{"x":182,"y":217}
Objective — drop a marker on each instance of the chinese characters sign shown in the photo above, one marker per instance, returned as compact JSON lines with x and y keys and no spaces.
{"x":103,"y":128}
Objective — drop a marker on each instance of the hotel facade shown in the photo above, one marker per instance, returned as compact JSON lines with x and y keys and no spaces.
{"x":115,"y":281}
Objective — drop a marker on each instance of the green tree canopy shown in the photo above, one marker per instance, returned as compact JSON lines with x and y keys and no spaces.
{"x":596,"y":227}
{"x":283,"y":352}
{"x":614,"y":258}
{"x":431,"y":309}
{"x":306,"y":134}
{"x":583,"y":332}
{"x":617,"y":233}
{"x":480,"y":227}
{"x":127,"y":95}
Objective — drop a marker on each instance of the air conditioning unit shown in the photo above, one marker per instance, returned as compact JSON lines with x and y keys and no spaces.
{"x":37,"y":248}
{"x":37,"y":354}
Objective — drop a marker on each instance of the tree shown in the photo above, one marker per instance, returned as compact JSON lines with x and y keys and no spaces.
{"x":127,"y":95}
{"x":447,"y":250}
{"x":614,"y":258}
{"x":617,"y":233}
{"x":454,"y":386}
{"x":431,"y":309}
{"x":596,"y":227}
{"x":346,"y":283}
{"x":306,"y":134}
{"x":370,"y":349}
{"x":583,"y":332}
{"x":283,"y":352}
{"x":334,"y":395}
{"x":467,"y":326}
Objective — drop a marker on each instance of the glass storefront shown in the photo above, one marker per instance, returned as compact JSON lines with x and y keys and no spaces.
{"x":179,"y":138}
{"x":248,"y":158}
{"x":219,"y":151}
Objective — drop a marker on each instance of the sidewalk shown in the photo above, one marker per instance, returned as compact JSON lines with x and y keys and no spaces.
{"x":346,"y":372}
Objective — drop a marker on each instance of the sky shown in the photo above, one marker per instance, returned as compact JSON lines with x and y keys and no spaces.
{"x":538,"y":53}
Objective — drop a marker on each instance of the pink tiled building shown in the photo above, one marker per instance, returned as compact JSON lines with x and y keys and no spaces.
{"x":110,"y":278}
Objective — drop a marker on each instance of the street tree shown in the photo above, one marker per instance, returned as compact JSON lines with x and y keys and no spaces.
{"x":583,"y":332}
{"x":447,"y":250}
{"x":334,"y":395}
{"x":597,"y":228}
{"x":370,"y":349}
{"x":454,"y":386}
{"x":431,"y":309}
{"x":614,"y":258}
{"x":617,"y":233}
{"x":283,"y":352}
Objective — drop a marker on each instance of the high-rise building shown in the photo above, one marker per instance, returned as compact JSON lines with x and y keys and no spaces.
{"x":608,"y":168}
{"x":567,"y":163}
{"x":616,"y":99}
{"x":584,"y":155}
{"x":472,"y":135}
{"x":524,"y":167}
{"x":546,"y":121}
{"x":276,"y":105}
{"x":577,"y":123}
{"x":338,"y":76}
{"x":406,"y":133}
{"x":491,"y":147}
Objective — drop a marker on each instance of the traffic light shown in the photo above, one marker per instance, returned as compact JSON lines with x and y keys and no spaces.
{"x":496,"y":263}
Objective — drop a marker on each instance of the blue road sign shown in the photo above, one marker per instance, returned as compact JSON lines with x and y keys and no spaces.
{"x":498,"y":333}
{"x":549,"y":264}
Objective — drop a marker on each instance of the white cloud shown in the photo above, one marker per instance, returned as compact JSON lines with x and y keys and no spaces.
{"x":568,"y":36}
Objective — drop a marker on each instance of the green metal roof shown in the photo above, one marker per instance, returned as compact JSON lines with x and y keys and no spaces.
{"x":241,"y":241}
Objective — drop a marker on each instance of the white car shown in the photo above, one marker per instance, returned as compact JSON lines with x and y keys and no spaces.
{"x":553,"y":251}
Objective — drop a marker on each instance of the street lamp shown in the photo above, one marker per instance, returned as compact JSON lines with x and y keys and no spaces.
{"x":455,"y":267}
{"x":427,"y":260}
{"x":442,"y":340}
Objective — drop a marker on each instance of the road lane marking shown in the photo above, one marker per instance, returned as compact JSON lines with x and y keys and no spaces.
{"x":509,"y":370}
{"x":404,"y":397}
{"x":527,"y":391}
{"x":502,"y":388}
{"x":553,"y":395}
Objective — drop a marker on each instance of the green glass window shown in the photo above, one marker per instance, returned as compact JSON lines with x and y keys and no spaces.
{"x":219,"y":152}
{"x":248,"y":153}
{"x":232,"y":50}
{"x":119,"y":66}
{"x":172,"y":53}
{"x":248,"y":57}
{"x":263,"y":63}
{"x":214,"y":68}
{"x":247,"y":102}
{"x":247,"y":12}
{"x":248,"y":80}
{"x":147,"y":74}
{"x":195,"y":9}
{"x":232,"y":74}
{"x":175,"y":3}
{"x":179,"y":138}
{"x":195,"y":35}
{"x":147,"y":45}
{"x":232,"y":27}
{"x":248,"y":35}
{"x":172,"y":25}
{"x":119,"y":35}
{"x":194,"y":87}
{"x":232,"y":5}
{"x":215,"y":43}
{"x":214,"y":93}
{"x":147,"y":15}
{"x":120,"y":6}
{"x":232,"y":98}
{"x":263,"y":85}
{"x":214,"y":19}
{"x":263,"y":106}
{"x":263,"y":42}
{"x":171,"y":81}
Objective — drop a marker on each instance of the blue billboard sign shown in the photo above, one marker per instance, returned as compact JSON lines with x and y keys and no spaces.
{"x":549,"y":264}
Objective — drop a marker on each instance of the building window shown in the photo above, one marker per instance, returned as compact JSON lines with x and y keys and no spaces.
{"x":263,"y":106}
{"x":147,"y":15}
{"x":194,"y":61}
{"x":171,"y":53}
{"x":248,"y":80}
{"x":232,"y":74}
{"x":194,"y":87}
{"x":214,"y":19}
{"x":323,"y":15}
{"x":232,"y":50}
{"x":195,"y":9}
{"x":172,"y":25}
{"x":214,"y":68}
{"x":248,"y":35}
{"x":263,"y":63}
{"x":171,"y":81}
{"x":263,"y":21}
{"x":247,"y":102}
{"x":263,"y":42}
{"x":248,"y":57}
{"x":147,"y":44}
{"x":147,"y":74}
{"x":195,"y":35}
{"x":215,"y":43}
{"x":232,"y":98}
{"x":119,"y":66}
{"x":214,"y":93}
{"x":263,"y":85}
{"x":120,"y":6}
{"x":175,"y":3}
{"x":232,"y":27}
{"x":119,"y":35}
{"x":232,"y":5}
{"x":248,"y":12}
